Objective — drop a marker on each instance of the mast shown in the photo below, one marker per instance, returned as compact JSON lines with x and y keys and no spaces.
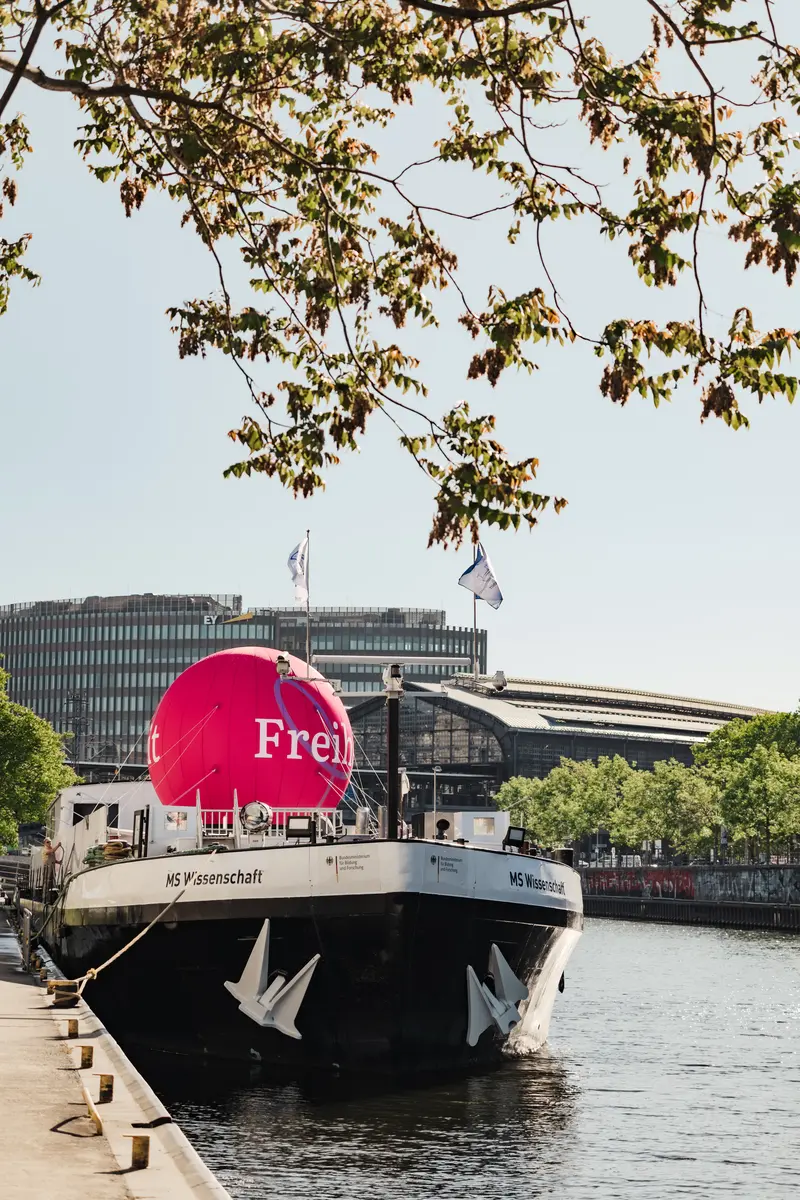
{"x":393,"y":678}
{"x":308,"y":604}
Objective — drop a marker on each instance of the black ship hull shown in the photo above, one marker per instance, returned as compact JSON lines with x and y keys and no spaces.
{"x":388,"y":994}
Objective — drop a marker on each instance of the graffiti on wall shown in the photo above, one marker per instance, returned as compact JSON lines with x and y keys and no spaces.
{"x":712,"y":884}
{"x":649,"y":883}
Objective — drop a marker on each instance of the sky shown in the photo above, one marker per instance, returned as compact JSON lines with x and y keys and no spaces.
{"x":674,"y":567}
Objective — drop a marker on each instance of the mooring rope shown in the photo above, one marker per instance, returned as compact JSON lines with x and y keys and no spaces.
{"x":195,"y":730}
{"x":93,"y":972}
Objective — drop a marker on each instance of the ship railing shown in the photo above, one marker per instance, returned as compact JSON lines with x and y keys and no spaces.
{"x":224,"y":824}
{"x":217,"y":823}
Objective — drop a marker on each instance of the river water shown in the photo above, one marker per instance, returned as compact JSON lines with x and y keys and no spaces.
{"x":673,"y":1070}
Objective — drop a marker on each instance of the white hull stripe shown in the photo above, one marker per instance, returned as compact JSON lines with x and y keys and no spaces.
{"x":297,"y":872}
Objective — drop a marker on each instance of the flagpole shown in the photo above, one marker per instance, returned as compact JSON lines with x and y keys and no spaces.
{"x":480,"y":579}
{"x":308,"y":604}
{"x":475,"y":625}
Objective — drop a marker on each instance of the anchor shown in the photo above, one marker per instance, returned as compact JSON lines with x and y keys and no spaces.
{"x":271,"y":1005}
{"x":499,"y":1007}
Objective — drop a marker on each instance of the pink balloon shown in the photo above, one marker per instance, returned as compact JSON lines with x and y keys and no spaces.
{"x":231,"y":723}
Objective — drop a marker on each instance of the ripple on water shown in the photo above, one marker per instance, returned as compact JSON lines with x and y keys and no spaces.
{"x":672,"y":1071}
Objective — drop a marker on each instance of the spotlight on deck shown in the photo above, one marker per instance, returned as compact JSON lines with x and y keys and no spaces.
{"x":515,"y":836}
{"x":282,"y":666}
{"x":301,"y":829}
{"x":255,"y":817}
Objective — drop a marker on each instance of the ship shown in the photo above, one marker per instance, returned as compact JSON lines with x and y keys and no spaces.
{"x":293,"y":932}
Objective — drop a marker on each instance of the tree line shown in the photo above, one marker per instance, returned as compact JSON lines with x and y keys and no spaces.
{"x":32,"y":768}
{"x":745,"y":780}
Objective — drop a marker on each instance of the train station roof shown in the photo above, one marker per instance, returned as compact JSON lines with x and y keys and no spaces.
{"x":514,"y":705}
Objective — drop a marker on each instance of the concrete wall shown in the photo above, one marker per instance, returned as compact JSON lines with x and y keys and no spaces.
{"x":717,"y":885}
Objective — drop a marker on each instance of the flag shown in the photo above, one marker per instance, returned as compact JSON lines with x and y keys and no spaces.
{"x":298,"y":565}
{"x":481,"y":579}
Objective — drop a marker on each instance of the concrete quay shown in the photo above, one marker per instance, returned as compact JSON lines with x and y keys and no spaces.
{"x":59,"y":1141}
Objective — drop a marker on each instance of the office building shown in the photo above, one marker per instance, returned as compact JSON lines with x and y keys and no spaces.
{"x":97,"y":667}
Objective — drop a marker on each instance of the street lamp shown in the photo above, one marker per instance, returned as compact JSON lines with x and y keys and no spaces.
{"x":436,"y":771}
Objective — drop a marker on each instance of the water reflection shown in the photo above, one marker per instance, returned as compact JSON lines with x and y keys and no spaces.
{"x":462,"y":1137}
{"x":673,"y":1071}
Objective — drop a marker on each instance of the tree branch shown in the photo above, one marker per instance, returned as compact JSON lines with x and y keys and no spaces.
{"x":110,"y":91}
{"x":18,"y":70}
{"x":713,"y":149}
{"x":481,"y":14}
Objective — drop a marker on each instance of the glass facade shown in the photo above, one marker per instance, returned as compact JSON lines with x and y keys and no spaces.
{"x":357,"y":632}
{"x":97,"y":667}
{"x":469,"y":759}
{"x":429,"y":734}
{"x":473,"y":749}
{"x":535,"y":754}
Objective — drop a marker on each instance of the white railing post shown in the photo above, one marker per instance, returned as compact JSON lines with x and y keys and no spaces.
{"x":236,"y":822}
{"x":199,"y":838}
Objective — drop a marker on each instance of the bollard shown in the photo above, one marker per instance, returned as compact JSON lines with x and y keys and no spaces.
{"x":61,"y":985}
{"x":140,"y":1151}
{"x":65,"y":993}
{"x":65,"y":999}
{"x":87,"y":1057}
{"x":106,"y":1089}
{"x":72,"y":1027}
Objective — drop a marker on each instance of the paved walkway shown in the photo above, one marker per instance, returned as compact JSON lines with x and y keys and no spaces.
{"x":49,"y":1147}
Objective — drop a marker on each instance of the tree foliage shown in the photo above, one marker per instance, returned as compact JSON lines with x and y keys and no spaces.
{"x":762,"y":797}
{"x":32,"y":766}
{"x":735,"y":742}
{"x":573,"y":800}
{"x":265,"y":121}
{"x":566,"y":802}
{"x":755,"y":794}
{"x":682,"y":806}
